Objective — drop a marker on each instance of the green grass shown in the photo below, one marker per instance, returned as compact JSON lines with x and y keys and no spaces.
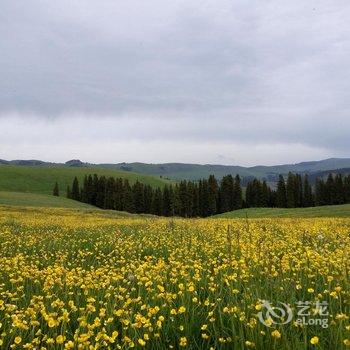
{"x":41,"y":179}
{"x":325,"y":211}
{"x":199,"y":283}
{"x":35,"y":203}
{"x":38,"y":200}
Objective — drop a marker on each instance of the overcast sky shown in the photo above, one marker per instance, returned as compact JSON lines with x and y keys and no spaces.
{"x":230,"y":82}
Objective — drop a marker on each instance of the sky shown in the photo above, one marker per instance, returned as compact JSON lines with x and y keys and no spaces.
{"x":223,"y":82}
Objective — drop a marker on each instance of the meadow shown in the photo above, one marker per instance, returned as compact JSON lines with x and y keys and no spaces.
{"x":41,"y":179}
{"x":85,"y":279}
{"x":25,"y":199}
{"x":326,"y":211}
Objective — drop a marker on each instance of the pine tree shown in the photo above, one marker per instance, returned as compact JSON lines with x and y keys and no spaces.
{"x":148,"y":194}
{"x":204,"y":198}
{"x":84,"y":191}
{"x":298,"y":191}
{"x":95,"y":189}
{"x":177,"y":201}
{"x":138,"y":197}
{"x":226,"y":194}
{"x":118,"y":194}
{"x":338,"y":197}
{"x":128,"y":201}
{"x":320,"y":192}
{"x":185,"y":205}
{"x":157,"y":202}
{"x":272,"y":198}
{"x":212,"y":195}
{"x":307,"y":193}
{"x":237,"y":194}
{"x":281,"y":194}
{"x":75,"y":193}
{"x":347,"y":189}
{"x":166,"y":201}
{"x":89,"y":190}
{"x":291,"y":191}
{"x":254,"y":195}
{"x":109,"y":202}
{"x":265,"y":195}
{"x":56,"y":191}
{"x":330,"y":190}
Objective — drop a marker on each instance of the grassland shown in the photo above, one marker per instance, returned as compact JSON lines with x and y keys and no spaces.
{"x":85,"y":279}
{"x":38,"y":200}
{"x":180,"y":171}
{"x":314,"y":212}
{"x":41,"y":179}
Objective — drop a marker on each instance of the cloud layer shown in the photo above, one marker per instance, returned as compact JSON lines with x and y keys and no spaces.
{"x":194,"y":81}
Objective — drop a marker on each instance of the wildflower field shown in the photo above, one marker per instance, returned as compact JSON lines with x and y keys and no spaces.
{"x":82,"y":280}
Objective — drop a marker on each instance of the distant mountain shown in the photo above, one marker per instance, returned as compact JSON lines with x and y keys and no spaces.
{"x":179,"y":171}
{"x":75,"y":163}
{"x":31,"y":162}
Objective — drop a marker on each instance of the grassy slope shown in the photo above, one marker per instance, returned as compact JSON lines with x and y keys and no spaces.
{"x":180,"y":171}
{"x":32,"y":204}
{"x":38,"y":200}
{"x":325,"y":211}
{"x":41,"y":179}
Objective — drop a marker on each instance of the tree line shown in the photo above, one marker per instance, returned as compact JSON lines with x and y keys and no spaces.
{"x":187,"y":198}
{"x":297,"y":192}
{"x":208,"y":197}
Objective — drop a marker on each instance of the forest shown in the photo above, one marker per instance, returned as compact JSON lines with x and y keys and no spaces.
{"x":210,"y":196}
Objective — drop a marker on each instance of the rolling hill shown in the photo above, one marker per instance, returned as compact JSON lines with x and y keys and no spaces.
{"x":39,"y":200}
{"x":313,"y":212}
{"x":41,"y":179}
{"x":179,"y":171}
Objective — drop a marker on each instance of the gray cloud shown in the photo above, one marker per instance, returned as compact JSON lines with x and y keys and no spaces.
{"x":206,"y":79}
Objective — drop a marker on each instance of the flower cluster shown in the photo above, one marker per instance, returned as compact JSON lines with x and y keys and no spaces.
{"x":90,"y":280}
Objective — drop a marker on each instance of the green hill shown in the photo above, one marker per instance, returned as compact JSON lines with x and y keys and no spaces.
{"x":179,"y":171}
{"x":41,"y":179}
{"x":324,"y":211}
{"x":31,"y":203}
{"x":39,"y":200}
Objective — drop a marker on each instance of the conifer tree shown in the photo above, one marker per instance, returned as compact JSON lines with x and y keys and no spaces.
{"x":101,"y":192}
{"x":281,"y":194}
{"x":138,"y":197}
{"x":56,"y":191}
{"x":109,"y":202}
{"x":226,"y":194}
{"x":118,"y":195}
{"x":291,"y":191}
{"x":95,"y":188}
{"x":148,"y":194}
{"x":166,"y":201}
{"x":85,"y":191}
{"x":346,"y":187}
{"x":298,"y":197}
{"x":212,"y":195}
{"x":75,"y":193}
{"x":330,"y":190}
{"x":157,"y":202}
{"x":307,"y":193}
{"x":338,"y":197}
{"x":265,"y":195}
{"x":128,"y":201}
{"x":237,"y":193}
{"x":320,"y":192}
